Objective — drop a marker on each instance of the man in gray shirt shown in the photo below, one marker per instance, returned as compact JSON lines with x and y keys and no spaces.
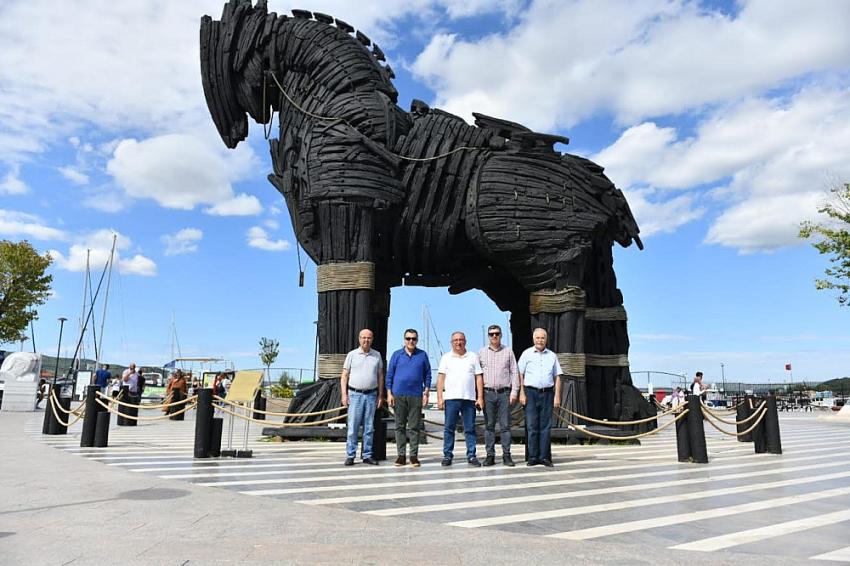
{"x":362,"y":387}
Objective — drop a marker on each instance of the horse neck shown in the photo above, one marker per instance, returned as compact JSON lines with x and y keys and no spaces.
{"x":318,"y":62}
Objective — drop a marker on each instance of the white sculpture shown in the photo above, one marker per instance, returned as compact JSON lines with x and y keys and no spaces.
{"x":20,"y":372}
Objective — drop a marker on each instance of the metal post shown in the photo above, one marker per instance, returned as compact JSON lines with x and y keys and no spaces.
{"x":771,"y":426}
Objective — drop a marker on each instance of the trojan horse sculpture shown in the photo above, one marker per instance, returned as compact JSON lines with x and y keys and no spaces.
{"x":379,"y":197}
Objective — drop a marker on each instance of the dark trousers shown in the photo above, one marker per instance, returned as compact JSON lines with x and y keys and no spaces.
{"x":466,"y":410}
{"x":538,"y":418}
{"x":497,"y":407}
{"x":408,"y":413}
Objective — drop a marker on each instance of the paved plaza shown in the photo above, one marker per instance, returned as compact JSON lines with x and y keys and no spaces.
{"x":604,"y":504}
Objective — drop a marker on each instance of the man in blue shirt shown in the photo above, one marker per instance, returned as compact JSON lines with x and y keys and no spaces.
{"x":408,"y":381}
{"x":540,"y":391}
{"x":102,"y":377}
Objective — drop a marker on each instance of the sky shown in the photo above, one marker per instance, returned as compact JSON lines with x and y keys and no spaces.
{"x":724,"y":123}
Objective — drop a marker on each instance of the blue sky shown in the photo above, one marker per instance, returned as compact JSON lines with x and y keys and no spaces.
{"x":724,"y":123}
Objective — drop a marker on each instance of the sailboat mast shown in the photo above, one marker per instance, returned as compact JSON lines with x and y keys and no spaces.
{"x":106,"y":298}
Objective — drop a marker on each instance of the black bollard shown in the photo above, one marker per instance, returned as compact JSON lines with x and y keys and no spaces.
{"x":696,"y":430}
{"x":176,"y":397}
{"x":259,"y":403}
{"x":683,"y":443}
{"x":759,"y":436}
{"x":379,"y":439}
{"x":132,"y":411}
{"x":48,"y":412}
{"x":124,"y":396}
{"x":57,"y":427}
{"x":90,"y":416}
{"x":771,"y":427}
{"x":101,"y":430}
{"x":216,"y":427}
{"x":744,"y":412}
{"x":203,"y":423}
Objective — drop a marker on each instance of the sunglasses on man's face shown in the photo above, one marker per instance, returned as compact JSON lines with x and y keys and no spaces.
{"x":495,"y":333}
{"x":411,"y":338}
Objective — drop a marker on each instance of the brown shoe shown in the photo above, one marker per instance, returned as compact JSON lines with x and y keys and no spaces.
{"x":414,"y":461}
{"x":400,"y":461}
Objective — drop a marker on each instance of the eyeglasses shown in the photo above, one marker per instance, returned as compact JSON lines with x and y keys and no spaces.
{"x":495,"y":333}
{"x":411,"y":338}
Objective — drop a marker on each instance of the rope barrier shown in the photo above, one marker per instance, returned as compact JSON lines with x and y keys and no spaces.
{"x":633,"y":436}
{"x":745,"y":432}
{"x":156,"y":418}
{"x":53,"y":405}
{"x":350,"y":125}
{"x":276,"y":414}
{"x":708,"y":410}
{"x":622,"y":423}
{"x":284,"y":425}
{"x":146,"y":406}
{"x":77,"y":410}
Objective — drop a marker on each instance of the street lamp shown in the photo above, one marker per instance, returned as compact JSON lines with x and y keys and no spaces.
{"x":62,"y":320}
{"x":723,"y":375}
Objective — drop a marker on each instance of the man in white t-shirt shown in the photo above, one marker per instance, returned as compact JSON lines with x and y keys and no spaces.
{"x":698,"y":387}
{"x":461,"y":376}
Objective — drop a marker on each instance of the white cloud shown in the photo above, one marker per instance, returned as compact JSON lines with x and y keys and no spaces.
{"x":240,"y":205}
{"x":768,"y":159}
{"x":97,"y":246}
{"x":259,"y":238}
{"x":656,"y":216}
{"x":632,"y":59}
{"x":12,"y":184}
{"x":182,"y":172}
{"x":183,"y":241}
{"x":271,"y":224}
{"x":21,"y":224}
{"x":74,"y":175}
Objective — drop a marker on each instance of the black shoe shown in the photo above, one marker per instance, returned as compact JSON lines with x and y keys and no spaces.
{"x":414,"y":461}
{"x":490,"y":461}
{"x":401,"y":461}
{"x":532,"y":462}
{"x":474,"y":462}
{"x":446,"y":462}
{"x":349,"y":461}
{"x":548,"y":463}
{"x":370,"y":461}
{"x":508,"y":461}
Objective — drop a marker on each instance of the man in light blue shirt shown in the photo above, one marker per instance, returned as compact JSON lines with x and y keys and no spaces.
{"x":540,"y":391}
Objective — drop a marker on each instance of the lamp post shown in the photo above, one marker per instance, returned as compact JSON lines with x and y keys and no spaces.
{"x":723,"y":375}
{"x":62,"y":320}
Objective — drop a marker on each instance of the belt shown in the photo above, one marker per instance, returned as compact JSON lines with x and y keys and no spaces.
{"x":550,"y":388}
{"x":499,"y":390}
{"x":364,"y":391}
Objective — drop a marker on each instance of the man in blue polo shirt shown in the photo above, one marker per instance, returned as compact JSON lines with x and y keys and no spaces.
{"x":408,"y":381}
{"x":102,"y":377}
{"x":540,"y":391}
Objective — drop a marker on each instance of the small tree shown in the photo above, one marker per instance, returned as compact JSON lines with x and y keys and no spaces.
{"x":23,"y":284}
{"x":269,"y":350}
{"x":834,"y":240}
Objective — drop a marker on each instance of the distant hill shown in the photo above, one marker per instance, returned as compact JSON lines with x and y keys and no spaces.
{"x":839,"y":384}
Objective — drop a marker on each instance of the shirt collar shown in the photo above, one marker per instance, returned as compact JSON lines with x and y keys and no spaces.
{"x":500,"y":348}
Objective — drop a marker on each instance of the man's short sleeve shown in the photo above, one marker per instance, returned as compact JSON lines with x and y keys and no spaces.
{"x":523,"y":361}
{"x":558,"y":370}
{"x":443,"y":368}
{"x":347,"y":363}
{"x":380,"y":360}
{"x":477,"y":368}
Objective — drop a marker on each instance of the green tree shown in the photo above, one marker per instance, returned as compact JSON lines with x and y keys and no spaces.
{"x":833,"y":239}
{"x":23,"y":285}
{"x":269,"y":350}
